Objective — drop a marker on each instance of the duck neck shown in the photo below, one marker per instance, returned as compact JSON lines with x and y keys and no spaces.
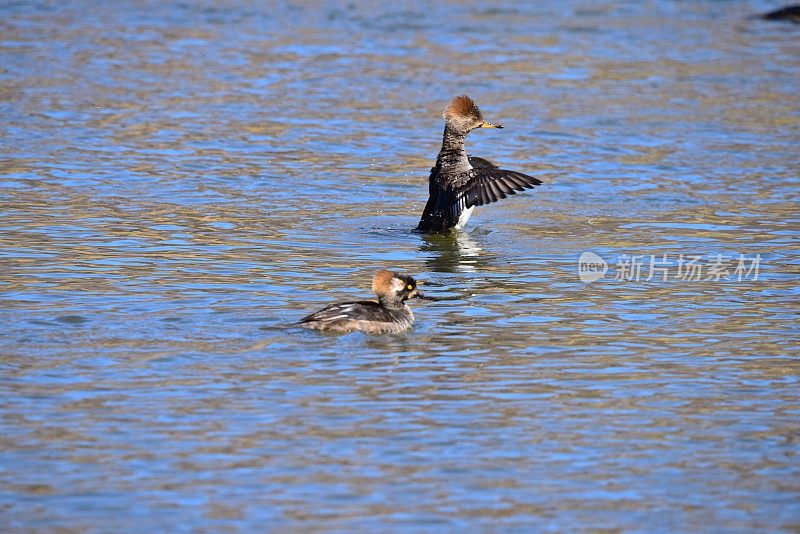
{"x":453,"y":155}
{"x":390,"y":301}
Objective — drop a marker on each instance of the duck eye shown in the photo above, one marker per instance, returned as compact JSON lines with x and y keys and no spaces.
{"x":410,"y":287}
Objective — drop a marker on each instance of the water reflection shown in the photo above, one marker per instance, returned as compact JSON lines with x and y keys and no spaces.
{"x":453,"y":252}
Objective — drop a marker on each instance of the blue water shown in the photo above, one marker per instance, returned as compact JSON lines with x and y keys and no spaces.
{"x":181,"y":182}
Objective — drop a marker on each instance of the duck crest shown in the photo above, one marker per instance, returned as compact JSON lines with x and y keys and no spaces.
{"x":382,"y":282}
{"x":462,"y":106}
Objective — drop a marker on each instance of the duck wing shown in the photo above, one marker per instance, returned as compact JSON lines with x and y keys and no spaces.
{"x":483,"y":184}
{"x":361,"y":310}
{"x":487,"y":183}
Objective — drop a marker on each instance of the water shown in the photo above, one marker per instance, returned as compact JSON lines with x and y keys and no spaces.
{"x":182,"y":181}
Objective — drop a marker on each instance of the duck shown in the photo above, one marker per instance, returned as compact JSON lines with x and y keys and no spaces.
{"x":460,"y":182}
{"x":388,"y":315}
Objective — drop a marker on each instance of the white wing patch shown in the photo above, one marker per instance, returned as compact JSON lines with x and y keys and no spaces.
{"x":464,"y":217}
{"x":342,"y":311}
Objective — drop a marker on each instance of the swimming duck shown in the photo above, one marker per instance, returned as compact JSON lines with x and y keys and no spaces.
{"x":389,"y":315}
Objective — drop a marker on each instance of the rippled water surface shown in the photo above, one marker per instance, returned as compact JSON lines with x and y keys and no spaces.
{"x":180,"y":182}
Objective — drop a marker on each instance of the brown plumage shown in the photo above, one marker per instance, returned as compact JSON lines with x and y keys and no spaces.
{"x":382,"y":282}
{"x":462,"y":107}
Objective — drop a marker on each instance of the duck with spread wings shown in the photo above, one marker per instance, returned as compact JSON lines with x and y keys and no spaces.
{"x":460,"y":182}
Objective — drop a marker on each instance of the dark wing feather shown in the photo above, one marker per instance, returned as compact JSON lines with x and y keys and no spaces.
{"x":361,"y":310}
{"x":480,"y":163}
{"x":489,"y":183}
{"x":483,"y":184}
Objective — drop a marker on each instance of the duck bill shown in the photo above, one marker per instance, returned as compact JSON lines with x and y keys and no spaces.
{"x":420,"y":295}
{"x":485,"y":124}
